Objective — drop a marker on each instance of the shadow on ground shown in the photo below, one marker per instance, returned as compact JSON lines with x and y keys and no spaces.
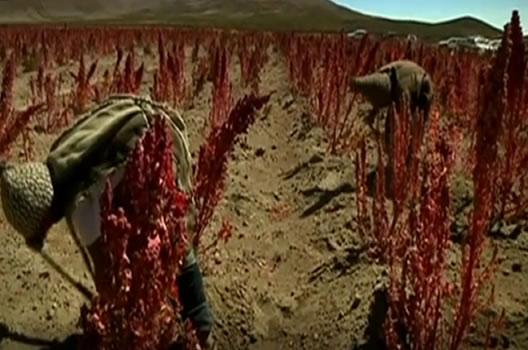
{"x":69,"y":343}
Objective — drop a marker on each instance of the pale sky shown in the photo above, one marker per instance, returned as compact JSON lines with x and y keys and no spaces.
{"x":495,"y":12}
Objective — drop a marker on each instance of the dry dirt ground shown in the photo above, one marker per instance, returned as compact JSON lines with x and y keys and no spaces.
{"x":292,"y":277}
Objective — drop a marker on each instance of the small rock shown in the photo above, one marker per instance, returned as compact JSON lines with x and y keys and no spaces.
{"x":379,"y":287}
{"x":355,"y":302}
{"x":39,"y":129}
{"x":316,"y":158}
{"x":260,"y":152}
{"x":244,"y":145}
{"x":238,"y":211}
{"x":288,"y":101}
{"x":330,"y":182}
{"x":331,"y":244}
{"x":217,"y":258}
{"x":516,"y":267}
{"x":496,"y":227}
{"x":253,"y":337}
{"x":49,"y":315}
{"x":287,"y":305}
{"x":512,"y":231}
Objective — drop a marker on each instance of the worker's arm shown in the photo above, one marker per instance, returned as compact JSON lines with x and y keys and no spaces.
{"x":192,"y":296}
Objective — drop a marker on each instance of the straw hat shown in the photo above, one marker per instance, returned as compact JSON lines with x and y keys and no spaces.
{"x":27,"y":194}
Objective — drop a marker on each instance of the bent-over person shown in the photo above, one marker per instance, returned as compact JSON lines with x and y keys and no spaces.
{"x":69,"y":183}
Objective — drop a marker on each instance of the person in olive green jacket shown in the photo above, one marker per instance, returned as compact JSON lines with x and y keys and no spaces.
{"x":388,"y":85}
{"x":36,"y":195}
{"x":391,"y":81}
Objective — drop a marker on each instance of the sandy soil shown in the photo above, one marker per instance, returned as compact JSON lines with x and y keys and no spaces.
{"x":297,"y":280}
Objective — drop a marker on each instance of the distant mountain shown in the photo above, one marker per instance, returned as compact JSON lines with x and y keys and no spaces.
{"x":463,"y":26}
{"x":297,"y":15}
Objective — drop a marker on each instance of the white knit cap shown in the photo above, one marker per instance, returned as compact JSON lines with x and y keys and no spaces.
{"x":27,"y":194}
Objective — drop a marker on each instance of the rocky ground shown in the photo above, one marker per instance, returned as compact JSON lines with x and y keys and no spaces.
{"x":292,"y":277}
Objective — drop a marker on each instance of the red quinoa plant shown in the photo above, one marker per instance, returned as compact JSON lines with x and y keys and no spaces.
{"x":398,"y":177}
{"x":176,"y":66}
{"x":418,"y":287}
{"x":161,"y":88}
{"x":222,"y":86}
{"x":486,"y":173}
{"x":128,"y":80}
{"x":46,"y":89}
{"x":210,"y":173}
{"x":415,"y":247}
{"x":511,"y":105}
{"x":411,"y":233}
{"x":170,"y":84}
{"x":144,"y":239}
{"x":13,"y":123}
{"x":252,"y":55}
{"x":83,"y":92}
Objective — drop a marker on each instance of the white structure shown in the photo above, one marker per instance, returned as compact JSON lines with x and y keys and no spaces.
{"x":356,"y":34}
{"x":475,"y":42}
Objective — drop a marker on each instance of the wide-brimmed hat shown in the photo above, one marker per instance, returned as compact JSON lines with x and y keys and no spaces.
{"x":27,"y":194}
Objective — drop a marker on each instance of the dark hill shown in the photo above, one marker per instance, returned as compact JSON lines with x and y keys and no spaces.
{"x":297,"y":15}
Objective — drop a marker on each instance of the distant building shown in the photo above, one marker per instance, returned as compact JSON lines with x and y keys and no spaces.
{"x":495,"y":44}
{"x":473,"y":42}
